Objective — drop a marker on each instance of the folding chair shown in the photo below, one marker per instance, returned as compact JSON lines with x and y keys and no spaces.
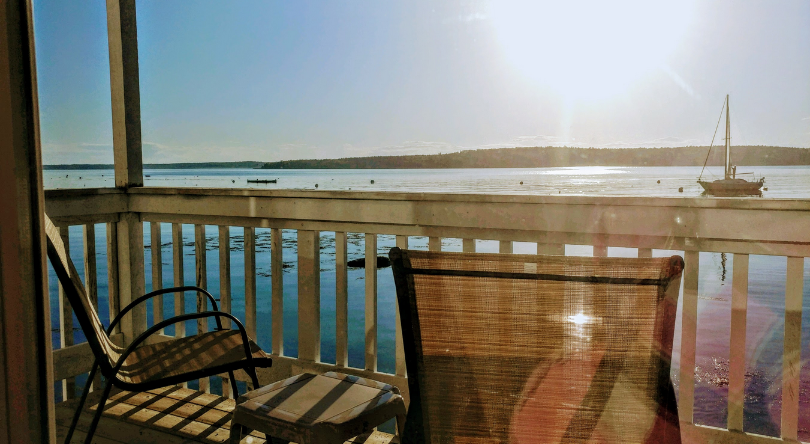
{"x":535,"y":349}
{"x":140,"y":366}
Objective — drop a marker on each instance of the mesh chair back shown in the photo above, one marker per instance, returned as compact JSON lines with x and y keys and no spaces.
{"x":526,"y":349}
{"x":104,"y":350}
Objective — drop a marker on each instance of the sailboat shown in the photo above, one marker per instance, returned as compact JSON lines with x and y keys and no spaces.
{"x":730,"y":185}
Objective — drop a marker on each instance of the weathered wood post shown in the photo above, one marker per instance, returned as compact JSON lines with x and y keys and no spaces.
{"x":122,"y":38}
{"x":26,"y":359}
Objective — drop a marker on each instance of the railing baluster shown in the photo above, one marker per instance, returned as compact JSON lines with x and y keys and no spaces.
{"x":66,"y":321}
{"x":179,"y":279}
{"x":371,"y":301}
{"x":90,"y":275}
{"x":400,"y":367}
{"x":341,"y":301}
{"x":792,"y":358}
{"x":200,"y":266}
{"x":250,"y":282}
{"x":309,"y":296}
{"x":225,"y":289}
{"x":157,"y":271}
{"x":468,"y":245}
{"x":434,"y":243}
{"x":277,"y":284}
{"x":112,"y":273}
{"x":505,"y":247}
{"x":736,"y":372}
{"x":553,"y":249}
{"x":645,"y":252}
{"x":686,"y":391}
{"x":225,"y":273}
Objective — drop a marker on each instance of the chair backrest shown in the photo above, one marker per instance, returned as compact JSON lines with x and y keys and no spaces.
{"x":524,"y":348}
{"x":105,"y":351}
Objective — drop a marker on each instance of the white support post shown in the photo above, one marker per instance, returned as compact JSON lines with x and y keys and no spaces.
{"x":157,"y":271}
{"x":505,"y":247}
{"x":277,"y":285}
{"x":131,"y":274}
{"x":400,"y":368}
{"x":792,"y":358}
{"x":225,"y":290}
{"x":736,"y":365}
{"x":122,"y":41}
{"x":201,"y":272}
{"x":90,"y":275}
{"x":468,"y":245}
{"x":341,"y":301}
{"x":250,"y":281}
{"x":179,"y":278}
{"x":551,"y":249}
{"x":371,"y":301}
{"x":113,"y":301}
{"x":686,"y":395}
{"x":309,"y":296}
{"x":66,"y":321}
{"x":225,"y":273}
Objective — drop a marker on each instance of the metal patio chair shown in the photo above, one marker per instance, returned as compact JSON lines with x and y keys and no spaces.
{"x":141,"y":367}
{"x":537,"y":349}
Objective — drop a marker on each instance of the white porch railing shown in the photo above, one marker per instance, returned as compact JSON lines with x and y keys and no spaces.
{"x":737,"y":226}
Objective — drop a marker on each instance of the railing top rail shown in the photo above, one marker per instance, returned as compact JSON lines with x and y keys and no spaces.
{"x":740,"y":203}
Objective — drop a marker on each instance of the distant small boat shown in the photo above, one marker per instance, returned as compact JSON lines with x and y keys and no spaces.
{"x":730,"y":185}
{"x":262,"y":180}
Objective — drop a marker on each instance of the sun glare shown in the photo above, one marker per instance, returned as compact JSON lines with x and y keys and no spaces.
{"x":579,"y":318}
{"x":588,"y":50}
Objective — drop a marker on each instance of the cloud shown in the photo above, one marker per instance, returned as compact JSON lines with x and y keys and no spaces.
{"x":473,"y":17}
{"x":680,"y":81}
{"x":76,"y":152}
{"x":806,"y":118}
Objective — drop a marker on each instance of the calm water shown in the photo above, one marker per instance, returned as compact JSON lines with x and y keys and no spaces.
{"x":766,"y":276}
{"x":782,"y":182}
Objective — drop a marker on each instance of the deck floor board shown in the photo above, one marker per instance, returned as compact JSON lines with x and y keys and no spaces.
{"x":170,"y":415}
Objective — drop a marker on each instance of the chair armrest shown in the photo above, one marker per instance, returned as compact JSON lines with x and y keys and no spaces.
{"x":132,"y":304}
{"x":182,"y":318}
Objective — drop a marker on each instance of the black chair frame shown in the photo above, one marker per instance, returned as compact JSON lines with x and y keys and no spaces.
{"x":109,"y":373}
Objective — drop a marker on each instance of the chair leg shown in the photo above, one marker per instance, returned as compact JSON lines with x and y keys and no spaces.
{"x":253,"y":377}
{"x":234,"y":389}
{"x":236,"y":433}
{"x":401,"y":427}
{"x":78,"y":413}
{"x":99,"y":411}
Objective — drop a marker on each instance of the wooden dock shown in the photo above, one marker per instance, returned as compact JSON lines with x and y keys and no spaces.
{"x":170,"y":415}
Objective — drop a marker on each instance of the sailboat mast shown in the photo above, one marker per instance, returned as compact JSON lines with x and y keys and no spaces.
{"x":728,"y":142}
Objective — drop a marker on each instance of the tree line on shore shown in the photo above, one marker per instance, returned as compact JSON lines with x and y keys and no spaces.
{"x":544,"y":157}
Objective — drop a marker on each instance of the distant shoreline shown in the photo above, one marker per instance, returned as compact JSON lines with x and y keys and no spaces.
{"x":535,"y":157}
{"x":159,"y":166}
{"x":551,"y":157}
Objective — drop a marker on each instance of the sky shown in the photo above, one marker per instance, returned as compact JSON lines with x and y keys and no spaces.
{"x":272,"y":80}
